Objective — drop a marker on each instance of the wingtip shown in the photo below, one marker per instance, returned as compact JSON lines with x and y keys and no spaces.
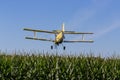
{"x":25,"y":28}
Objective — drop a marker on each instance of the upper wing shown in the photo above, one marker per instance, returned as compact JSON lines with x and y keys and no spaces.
{"x":73,"y":32}
{"x":28,"y":29}
{"x":73,"y":41}
{"x":42,"y":39}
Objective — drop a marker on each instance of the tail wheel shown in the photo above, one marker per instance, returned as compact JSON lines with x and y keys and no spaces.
{"x":64,"y":48}
{"x":51,"y":47}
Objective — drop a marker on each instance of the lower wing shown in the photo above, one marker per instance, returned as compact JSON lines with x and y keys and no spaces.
{"x":74,"y":41}
{"x":42,"y":39}
{"x":73,"y":32}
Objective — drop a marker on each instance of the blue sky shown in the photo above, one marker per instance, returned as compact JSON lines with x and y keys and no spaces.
{"x":102,"y":17}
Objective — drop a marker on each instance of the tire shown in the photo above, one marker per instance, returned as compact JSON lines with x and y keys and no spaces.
{"x":64,"y":48}
{"x":51,"y":47}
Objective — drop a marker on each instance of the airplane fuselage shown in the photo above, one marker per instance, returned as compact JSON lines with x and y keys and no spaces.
{"x":59,"y":38}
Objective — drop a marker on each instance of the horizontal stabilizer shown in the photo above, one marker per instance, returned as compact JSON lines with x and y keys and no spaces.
{"x":56,"y":31}
{"x":39,"y":39}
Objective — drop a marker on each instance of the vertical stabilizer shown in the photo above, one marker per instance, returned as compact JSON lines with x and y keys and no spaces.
{"x":63,"y":27}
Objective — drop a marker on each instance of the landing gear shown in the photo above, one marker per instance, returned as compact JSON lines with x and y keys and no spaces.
{"x":64,"y":47}
{"x":56,"y":47}
{"x":51,"y":47}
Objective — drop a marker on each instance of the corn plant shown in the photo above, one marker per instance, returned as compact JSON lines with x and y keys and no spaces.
{"x":54,"y":67}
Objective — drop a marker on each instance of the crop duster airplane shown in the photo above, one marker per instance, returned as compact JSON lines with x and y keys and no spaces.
{"x":59,"y":36}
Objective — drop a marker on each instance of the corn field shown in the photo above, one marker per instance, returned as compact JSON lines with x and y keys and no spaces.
{"x":52,"y":67}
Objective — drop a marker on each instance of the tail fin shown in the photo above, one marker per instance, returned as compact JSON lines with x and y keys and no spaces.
{"x":63,"y":27}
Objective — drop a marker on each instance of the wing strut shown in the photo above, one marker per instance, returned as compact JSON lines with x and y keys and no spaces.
{"x":35,"y":34}
{"x":83,"y":37}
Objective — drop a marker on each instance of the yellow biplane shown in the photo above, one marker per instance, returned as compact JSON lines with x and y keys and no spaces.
{"x":59,"y":36}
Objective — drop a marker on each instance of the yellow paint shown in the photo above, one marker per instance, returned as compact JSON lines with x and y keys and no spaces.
{"x":59,"y":37}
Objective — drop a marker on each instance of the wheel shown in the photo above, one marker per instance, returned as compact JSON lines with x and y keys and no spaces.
{"x":51,"y":47}
{"x":64,"y":48}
